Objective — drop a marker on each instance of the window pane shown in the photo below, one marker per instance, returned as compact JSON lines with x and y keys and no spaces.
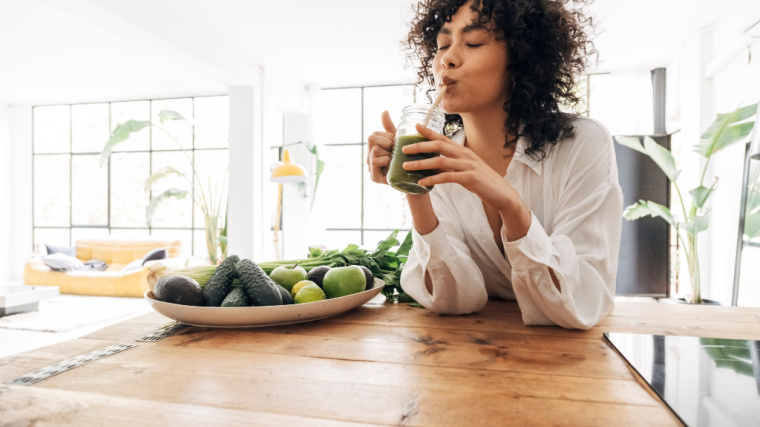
{"x":89,"y":127}
{"x":50,"y":236}
{"x":172,"y":212}
{"x":179,"y":129}
{"x":89,"y":192}
{"x":199,"y":241}
{"x":52,"y":129}
{"x":88,"y":233}
{"x":121,"y":112}
{"x":340,"y":239}
{"x":130,"y":232}
{"x":212,"y":168}
{"x":129,"y":171}
{"x":273,"y":120}
{"x":384,"y":207}
{"x":212,"y":122}
{"x":379,"y":99}
{"x":338,"y":116}
{"x":52,"y":190}
{"x":339,"y":198}
{"x":184,"y":236}
{"x":372,"y":238}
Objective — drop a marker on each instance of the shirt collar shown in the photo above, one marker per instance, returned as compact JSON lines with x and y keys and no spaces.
{"x":520,"y":155}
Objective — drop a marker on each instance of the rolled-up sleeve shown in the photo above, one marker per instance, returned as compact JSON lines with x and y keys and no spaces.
{"x":582,"y":249}
{"x":458,"y":285}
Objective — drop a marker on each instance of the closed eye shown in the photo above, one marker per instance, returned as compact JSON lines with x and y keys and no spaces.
{"x":474,"y":44}
{"x":443,"y":47}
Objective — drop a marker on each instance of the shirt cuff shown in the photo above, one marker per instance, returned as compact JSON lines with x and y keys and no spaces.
{"x":531,"y":251}
{"x":429,"y":246}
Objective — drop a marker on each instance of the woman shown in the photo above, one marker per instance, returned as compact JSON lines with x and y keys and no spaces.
{"x":526,"y":203}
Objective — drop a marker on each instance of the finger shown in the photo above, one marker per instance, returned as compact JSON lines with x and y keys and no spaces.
{"x":437,"y":162}
{"x":380,"y":161}
{"x":380,"y":141}
{"x":444,"y":178}
{"x":431,"y":134}
{"x":378,"y":151}
{"x":436,"y":146}
{"x":388,"y":123}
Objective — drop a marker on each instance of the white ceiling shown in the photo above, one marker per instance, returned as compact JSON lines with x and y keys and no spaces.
{"x":60,"y":51}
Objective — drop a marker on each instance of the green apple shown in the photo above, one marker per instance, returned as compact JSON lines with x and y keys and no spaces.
{"x":288,"y":275}
{"x":342,"y":281}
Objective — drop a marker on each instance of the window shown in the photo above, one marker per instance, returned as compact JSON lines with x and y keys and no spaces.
{"x":344,"y":119}
{"x":76,"y":197}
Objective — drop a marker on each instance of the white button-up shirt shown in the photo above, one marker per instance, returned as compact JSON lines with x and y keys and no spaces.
{"x":576,"y":205}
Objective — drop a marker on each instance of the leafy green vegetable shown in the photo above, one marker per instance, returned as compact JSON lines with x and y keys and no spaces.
{"x":382,"y":262}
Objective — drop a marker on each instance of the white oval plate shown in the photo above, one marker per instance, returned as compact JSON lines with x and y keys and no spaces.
{"x":245,"y":317}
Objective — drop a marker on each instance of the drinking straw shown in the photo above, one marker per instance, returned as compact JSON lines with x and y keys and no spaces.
{"x":435,"y":105}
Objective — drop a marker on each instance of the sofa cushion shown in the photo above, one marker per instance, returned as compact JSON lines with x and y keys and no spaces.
{"x":62,"y":262}
{"x":66,"y":250}
{"x":133,"y":266}
{"x":159,"y":253}
{"x":95,"y":265}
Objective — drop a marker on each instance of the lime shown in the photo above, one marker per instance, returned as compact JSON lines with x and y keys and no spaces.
{"x":310,"y":293}
{"x":297,"y":287}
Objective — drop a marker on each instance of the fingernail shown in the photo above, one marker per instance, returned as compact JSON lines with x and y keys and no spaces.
{"x":404,"y":148}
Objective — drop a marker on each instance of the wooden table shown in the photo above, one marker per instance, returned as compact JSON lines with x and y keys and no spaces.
{"x":379,"y":364}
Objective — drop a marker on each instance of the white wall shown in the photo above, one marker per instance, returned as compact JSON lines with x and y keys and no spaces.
{"x":5,"y":188}
{"x":19,"y":202}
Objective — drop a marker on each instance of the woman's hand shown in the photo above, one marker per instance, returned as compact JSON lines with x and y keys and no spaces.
{"x":379,"y":150}
{"x":460,"y":165}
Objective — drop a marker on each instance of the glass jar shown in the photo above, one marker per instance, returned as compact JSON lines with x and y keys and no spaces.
{"x":406,"y":134}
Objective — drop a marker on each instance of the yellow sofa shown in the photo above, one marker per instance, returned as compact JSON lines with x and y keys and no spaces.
{"x":117,"y":253}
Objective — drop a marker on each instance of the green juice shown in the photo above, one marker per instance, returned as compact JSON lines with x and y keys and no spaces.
{"x":402,"y":179}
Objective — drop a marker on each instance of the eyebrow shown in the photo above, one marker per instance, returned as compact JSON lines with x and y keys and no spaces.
{"x":467,"y":29}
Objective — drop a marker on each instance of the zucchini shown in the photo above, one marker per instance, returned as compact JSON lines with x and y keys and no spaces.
{"x":257,"y":285}
{"x":220,"y":283}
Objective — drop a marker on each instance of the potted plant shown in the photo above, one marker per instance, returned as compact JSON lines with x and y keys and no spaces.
{"x":212,"y":200}
{"x":726,"y":130}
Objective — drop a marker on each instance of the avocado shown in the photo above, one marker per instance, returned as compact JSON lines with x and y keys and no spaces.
{"x":317,"y":274}
{"x":370,"y":277}
{"x":257,"y":285}
{"x":178,"y":290}
{"x":286,"y":297}
{"x":236,"y":298}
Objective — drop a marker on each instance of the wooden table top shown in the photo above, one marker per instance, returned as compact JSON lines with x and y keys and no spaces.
{"x":378,"y":364}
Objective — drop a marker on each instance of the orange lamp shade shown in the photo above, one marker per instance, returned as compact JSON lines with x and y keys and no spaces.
{"x":288,"y":171}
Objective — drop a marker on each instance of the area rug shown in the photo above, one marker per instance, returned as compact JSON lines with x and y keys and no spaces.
{"x":68,"y":312}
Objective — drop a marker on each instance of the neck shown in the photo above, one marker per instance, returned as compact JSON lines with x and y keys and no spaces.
{"x":485,"y":130}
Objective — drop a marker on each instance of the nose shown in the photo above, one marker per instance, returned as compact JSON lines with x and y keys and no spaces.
{"x":450,"y":58}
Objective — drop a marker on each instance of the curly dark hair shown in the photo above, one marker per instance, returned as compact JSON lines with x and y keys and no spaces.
{"x":548,"y":44}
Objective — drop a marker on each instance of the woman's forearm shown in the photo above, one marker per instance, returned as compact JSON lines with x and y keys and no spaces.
{"x":423,"y":215}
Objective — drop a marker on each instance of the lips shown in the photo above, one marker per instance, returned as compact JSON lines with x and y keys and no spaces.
{"x":446,"y":81}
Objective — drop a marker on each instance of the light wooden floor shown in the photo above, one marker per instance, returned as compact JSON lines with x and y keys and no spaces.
{"x":14,"y":341}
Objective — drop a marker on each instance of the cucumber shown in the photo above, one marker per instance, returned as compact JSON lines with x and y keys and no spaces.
{"x":220,"y":283}
{"x":257,"y":285}
{"x":236,"y":298}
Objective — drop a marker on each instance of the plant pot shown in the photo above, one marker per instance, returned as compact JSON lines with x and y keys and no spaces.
{"x":704,"y":301}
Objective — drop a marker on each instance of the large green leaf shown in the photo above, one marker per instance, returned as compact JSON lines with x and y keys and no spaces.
{"x":662,"y":157}
{"x":697,"y":224}
{"x":631,"y":142}
{"x":643,"y":208}
{"x":161,"y":173}
{"x":724,"y":131}
{"x":659,"y":154}
{"x":176,"y":193}
{"x":403,"y":250}
{"x":165,"y":115}
{"x":120,"y":134}
{"x":700,"y":195}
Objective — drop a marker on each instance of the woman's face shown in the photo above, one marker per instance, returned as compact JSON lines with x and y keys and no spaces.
{"x":472,"y":63}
